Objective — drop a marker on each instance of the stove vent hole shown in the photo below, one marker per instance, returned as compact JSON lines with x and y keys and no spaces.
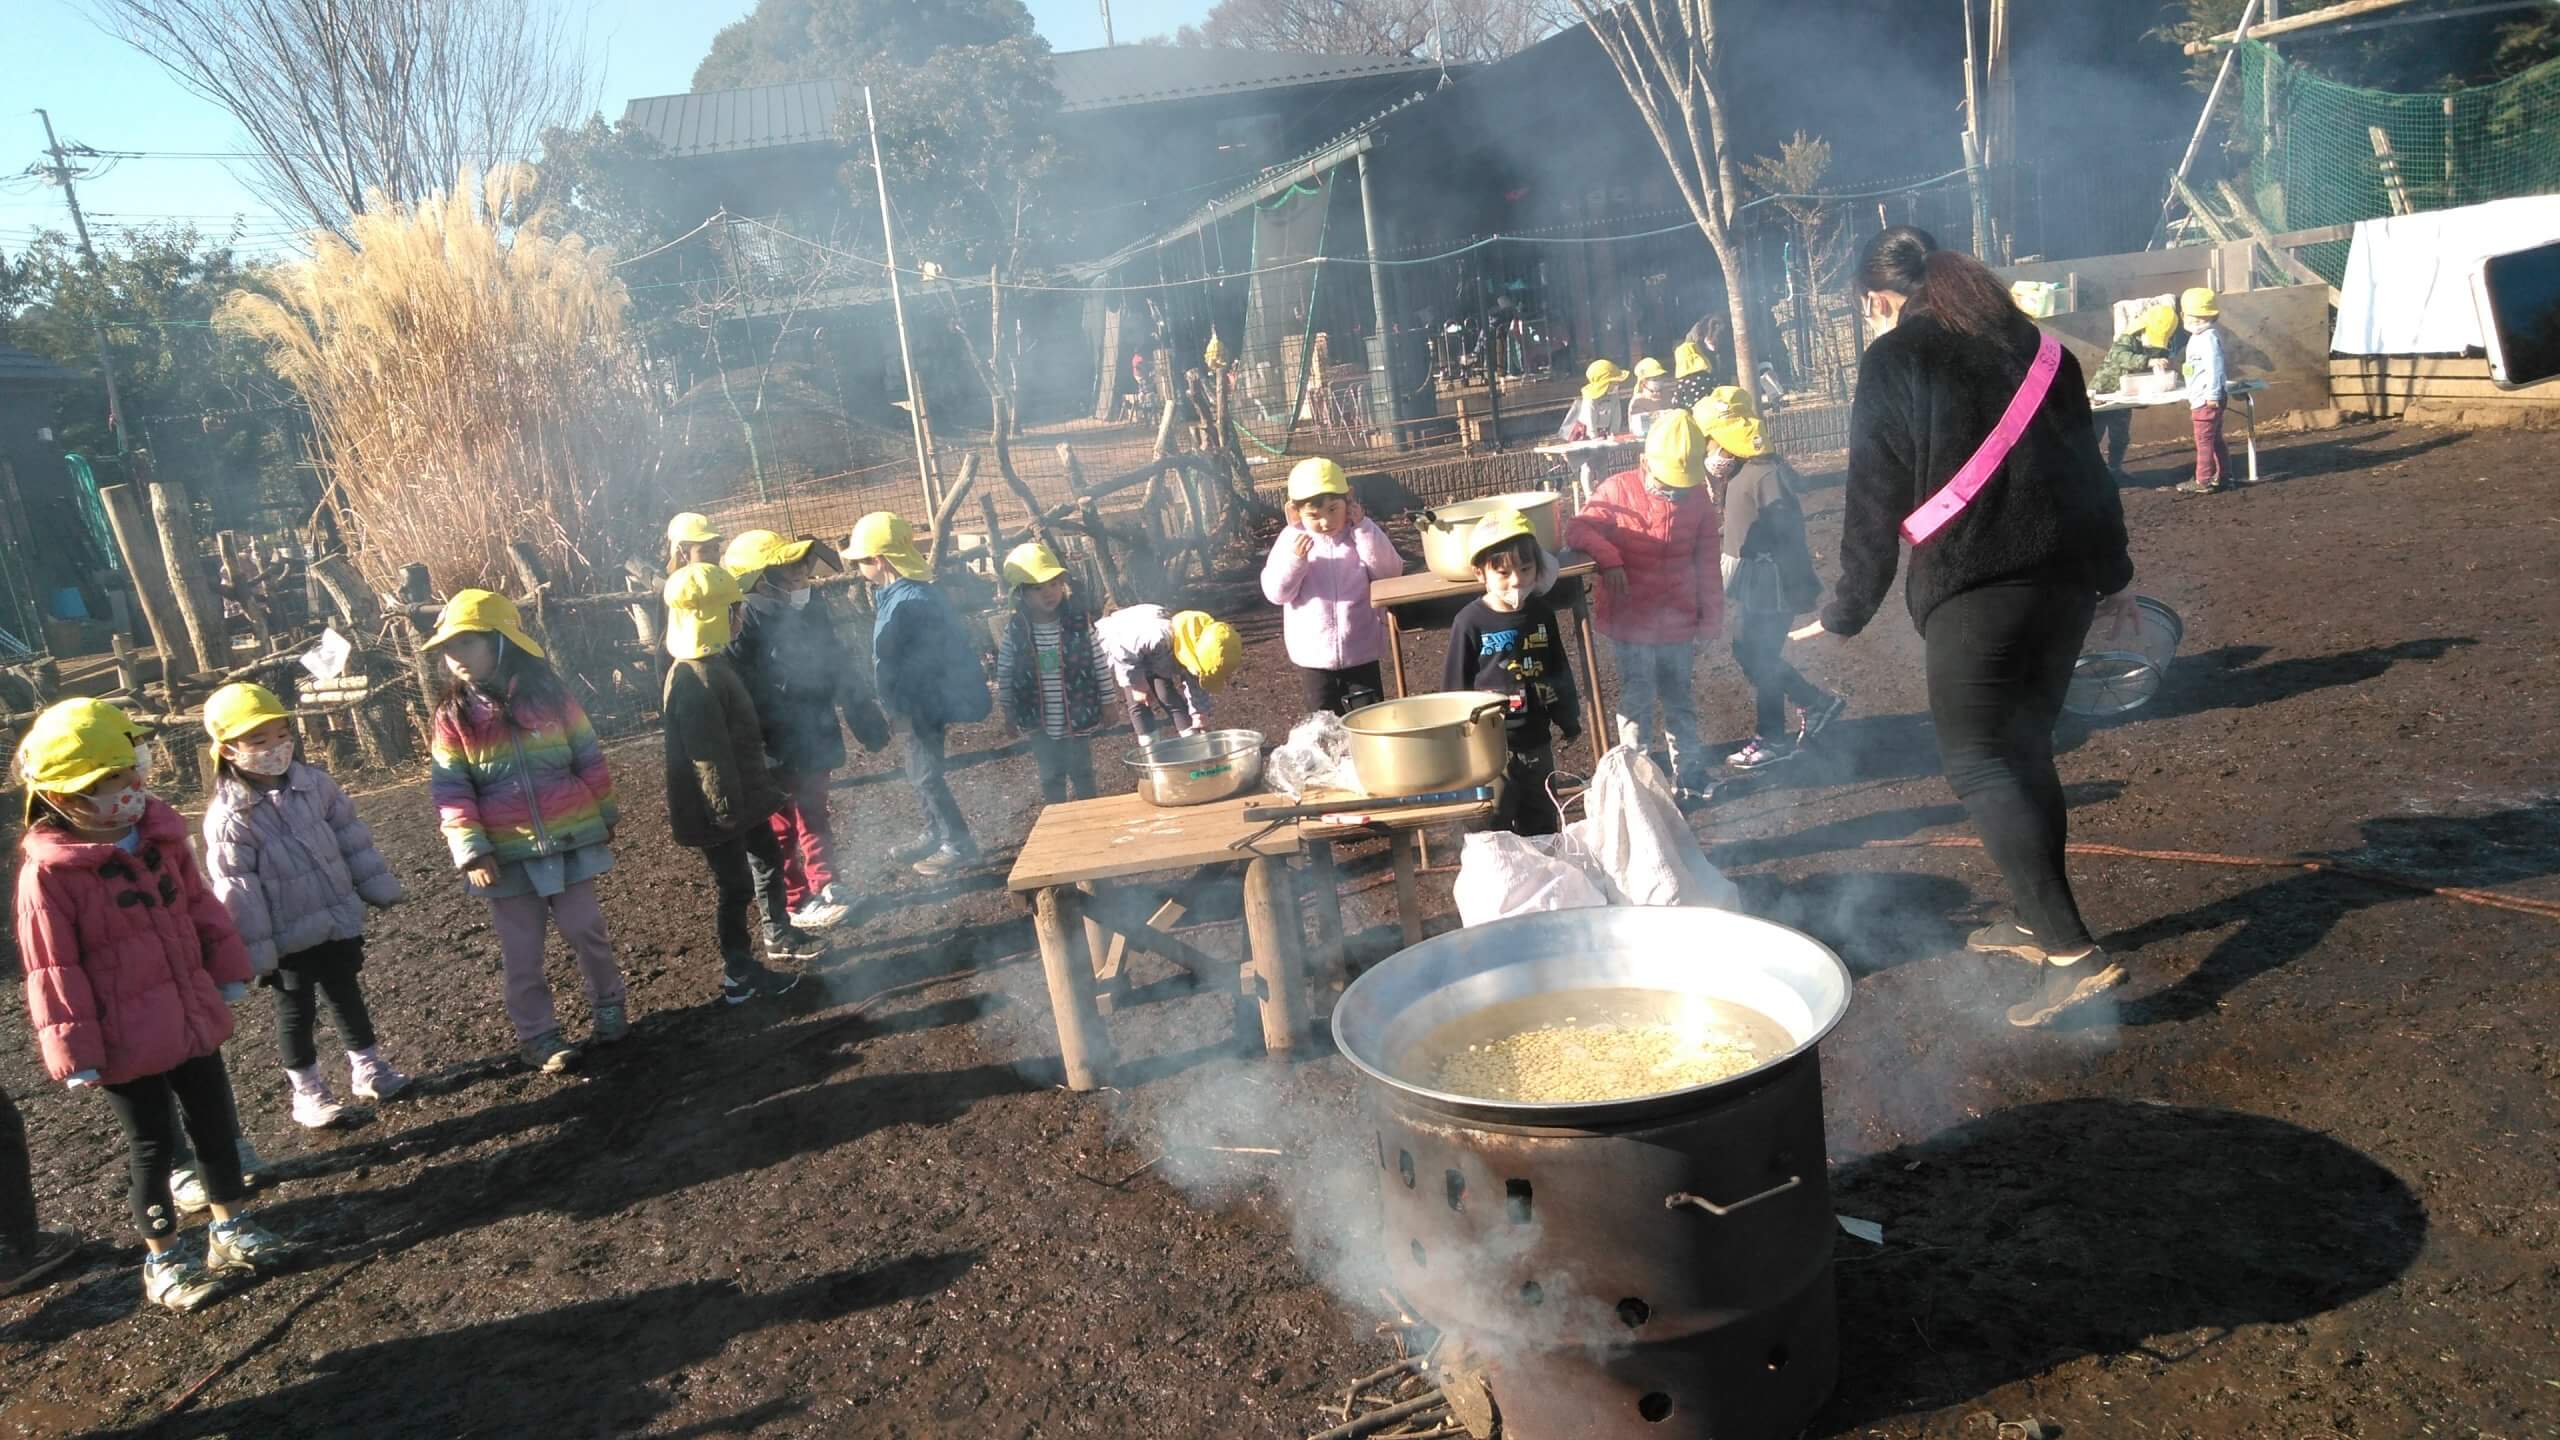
{"x":1457,"y":1184}
{"x":1655,"y":1408}
{"x":1515,"y":1198}
{"x":1531,"y":1293}
{"x":1632,"y":1313}
{"x":1777,"y":1360}
{"x":1404,"y":1167}
{"x":1418,"y":1259}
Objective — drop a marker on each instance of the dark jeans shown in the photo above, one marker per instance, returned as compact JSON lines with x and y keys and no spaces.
{"x":2115,"y":432}
{"x":203,"y":1091}
{"x":746,"y":874}
{"x":305,"y":981}
{"x":1066,"y":765}
{"x":1345,"y":690}
{"x":17,"y":1178}
{"x":1522,"y":805}
{"x":1759,"y":647}
{"x":1999,"y":660}
{"x":925,"y":765}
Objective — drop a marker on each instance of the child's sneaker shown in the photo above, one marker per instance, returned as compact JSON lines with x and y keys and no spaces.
{"x":173,"y":1278}
{"x":793,"y":947}
{"x":946,"y":860}
{"x":819,"y":914}
{"x":1818,"y":718}
{"x":548,"y":1053}
{"x":916,"y":849}
{"x":1760,"y":754}
{"x":370,"y":1077}
{"x":314,"y":1108}
{"x":241,"y":1243}
{"x":186,"y":1187}
{"x":836,"y":894}
{"x":2199,"y":487}
{"x":613,"y":1022}
{"x":742,"y":980}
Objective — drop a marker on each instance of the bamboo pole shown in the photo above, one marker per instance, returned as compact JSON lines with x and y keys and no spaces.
{"x":138,"y":547}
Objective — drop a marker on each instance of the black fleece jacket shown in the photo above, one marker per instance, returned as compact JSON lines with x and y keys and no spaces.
{"x":1926,"y":398}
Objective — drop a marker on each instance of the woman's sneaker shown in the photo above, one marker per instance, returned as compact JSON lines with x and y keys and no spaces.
{"x":244,"y":1244}
{"x":2007,"y":937}
{"x":173,"y":1279}
{"x":25,"y":1263}
{"x":548,"y":1053}
{"x":613,"y":1022}
{"x":1818,"y":718}
{"x":370,"y":1077}
{"x":1761,"y":754}
{"x":2066,"y":984}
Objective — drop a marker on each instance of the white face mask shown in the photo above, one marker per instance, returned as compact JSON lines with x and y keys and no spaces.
{"x":797,"y":598}
{"x":117,"y":811}
{"x":266,"y":760}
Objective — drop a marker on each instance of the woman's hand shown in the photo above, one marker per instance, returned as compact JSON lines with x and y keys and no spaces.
{"x":1806,"y":632}
{"x":2116,"y":614}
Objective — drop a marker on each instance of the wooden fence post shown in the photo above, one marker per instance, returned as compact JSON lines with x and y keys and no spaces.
{"x":138,"y":547}
{"x":197,"y":608}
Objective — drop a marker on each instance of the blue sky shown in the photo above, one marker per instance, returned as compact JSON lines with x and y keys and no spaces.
{"x":105,"y":94}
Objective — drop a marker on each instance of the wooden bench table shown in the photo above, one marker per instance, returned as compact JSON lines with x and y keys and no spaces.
{"x":1077,"y":847}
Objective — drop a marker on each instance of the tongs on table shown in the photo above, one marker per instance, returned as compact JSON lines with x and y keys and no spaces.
{"x":1353,"y":809}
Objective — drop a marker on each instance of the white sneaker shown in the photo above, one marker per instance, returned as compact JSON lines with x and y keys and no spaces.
{"x":244,"y":1244}
{"x":177,"y":1282}
{"x":314,"y":1108}
{"x":186,"y":1186}
{"x":819,"y":914}
{"x":371,"y":1077}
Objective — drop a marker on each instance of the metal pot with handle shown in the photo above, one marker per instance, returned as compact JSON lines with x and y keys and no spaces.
{"x":1445,"y":529}
{"x":1453,"y":740}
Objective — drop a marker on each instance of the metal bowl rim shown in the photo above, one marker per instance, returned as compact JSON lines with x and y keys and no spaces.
{"x":1240,"y":742}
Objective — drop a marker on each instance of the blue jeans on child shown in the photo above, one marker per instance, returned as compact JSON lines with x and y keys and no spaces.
{"x":1659,"y":676}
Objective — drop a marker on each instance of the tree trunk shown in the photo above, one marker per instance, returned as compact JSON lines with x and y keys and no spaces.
{"x":138,"y":546}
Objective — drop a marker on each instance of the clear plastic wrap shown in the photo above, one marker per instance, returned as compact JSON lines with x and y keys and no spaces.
{"x":1316,"y":756}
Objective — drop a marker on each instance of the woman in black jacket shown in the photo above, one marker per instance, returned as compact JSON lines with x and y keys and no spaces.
{"x":2004,"y":594}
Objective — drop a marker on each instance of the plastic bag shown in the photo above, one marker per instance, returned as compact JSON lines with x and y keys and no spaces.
{"x":1633,"y":828}
{"x":1316,"y":756}
{"x":1501,"y":874}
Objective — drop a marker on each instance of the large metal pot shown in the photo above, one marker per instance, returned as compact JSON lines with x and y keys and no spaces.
{"x":1452,"y":740}
{"x":1445,"y":528}
{"x":1655,"y":1267}
{"x":1197,"y":769}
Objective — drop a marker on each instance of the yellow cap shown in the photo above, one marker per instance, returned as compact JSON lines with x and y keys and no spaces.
{"x":1031,"y":563}
{"x":1688,"y":360}
{"x":698,"y":599}
{"x":1728,"y":417}
{"x":235,"y":710}
{"x":1216,"y":354}
{"x":73,"y":745}
{"x":2158,"y":324}
{"x":482,"y":612}
{"x":1600,"y":377}
{"x":1203,"y":645}
{"x":2199,"y":304}
{"x":756,"y":551}
{"x":1649,"y":368}
{"x":1317,"y":476}
{"x":1672,"y":451}
{"x":689,"y":528}
{"x":886,"y":536}
{"x":1497,"y":525}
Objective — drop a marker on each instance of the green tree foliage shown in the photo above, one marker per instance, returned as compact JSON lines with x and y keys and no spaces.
{"x":968,"y":114}
{"x":2447,"y":54}
{"x":203,"y":403}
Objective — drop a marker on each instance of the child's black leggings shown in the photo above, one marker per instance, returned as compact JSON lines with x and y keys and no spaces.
{"x":203,"y":1091}
{"x":17,"y":1178}
{"x":307,"y":981}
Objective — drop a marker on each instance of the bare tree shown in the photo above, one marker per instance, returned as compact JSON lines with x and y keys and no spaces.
{"x":1666,"y":53}
{"x":1467,"y":31}
{"x":347,"y":98}
{"x":1818,"y":228}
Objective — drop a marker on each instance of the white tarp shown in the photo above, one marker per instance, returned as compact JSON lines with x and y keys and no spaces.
{"x":2408,"y":285}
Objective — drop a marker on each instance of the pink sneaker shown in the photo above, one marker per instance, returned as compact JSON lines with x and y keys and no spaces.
{"x":371,"y":1077}
{"x":314,"y":1108}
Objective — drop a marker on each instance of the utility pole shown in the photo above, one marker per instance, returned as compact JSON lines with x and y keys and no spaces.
{"x":88,"y":252}
{"x":1107,"y":41}
{"x":898,"y":307}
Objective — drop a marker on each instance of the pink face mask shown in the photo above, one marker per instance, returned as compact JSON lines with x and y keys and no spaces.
{"x":115,"y":812}
{"x":264,"y":760}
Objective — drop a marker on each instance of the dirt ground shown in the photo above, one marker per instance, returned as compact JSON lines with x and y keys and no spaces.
{"x":2299,"y":1183}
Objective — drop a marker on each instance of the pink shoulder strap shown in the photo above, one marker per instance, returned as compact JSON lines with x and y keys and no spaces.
{"x":1952,"y":497}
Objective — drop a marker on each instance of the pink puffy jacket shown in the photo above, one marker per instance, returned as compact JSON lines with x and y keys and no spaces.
{"x":125,"y":953}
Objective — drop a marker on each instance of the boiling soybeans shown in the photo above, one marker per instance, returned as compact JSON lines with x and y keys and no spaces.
{"x":1580,"y":1063}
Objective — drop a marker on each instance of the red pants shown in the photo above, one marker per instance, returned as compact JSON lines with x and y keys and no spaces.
{"x":2212,"y":461}
{"x":808,"y":838}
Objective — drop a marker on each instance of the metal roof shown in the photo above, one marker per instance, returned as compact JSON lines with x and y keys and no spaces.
{"x":760,"y":117}
{"x":20,"y":367}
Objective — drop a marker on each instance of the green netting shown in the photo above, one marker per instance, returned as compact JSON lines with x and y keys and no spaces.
{"x":2321,"y":153}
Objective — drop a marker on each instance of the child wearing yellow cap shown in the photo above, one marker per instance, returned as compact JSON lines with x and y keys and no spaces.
{"x":1318,"y":573}
{"x":1049,"y":671}
{"x":2208,"y":384}
{"x":691,"y":541}
{"x":1768,"y":578}
{"x":132,"y":967}
{"x":1599,"y":411}
{"x":1653,"y":391}
{"x":926,"y":671}
{"x":2144,"y":346}
{"x":528,"y":809}
{"x":1508,"y":643}
{"x":297,"y":868}
{"x":720,"y":795}
{"x":1166,"y":664}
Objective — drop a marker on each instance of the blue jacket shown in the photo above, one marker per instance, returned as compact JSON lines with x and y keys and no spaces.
{"x":922,"y":660}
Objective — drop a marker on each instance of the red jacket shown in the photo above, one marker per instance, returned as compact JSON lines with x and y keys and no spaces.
{"x":125,"y":954}
{"x":1671,"y":552}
